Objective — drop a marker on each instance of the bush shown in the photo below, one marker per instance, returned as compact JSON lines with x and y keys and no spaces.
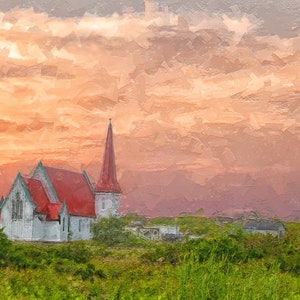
{"x":110,"y":231}
{"x":89,"y":271}
{"x":169,"y":253}
{"x":5,"y":246}
{"x":77,"y":251}
{"x":221,"y":247}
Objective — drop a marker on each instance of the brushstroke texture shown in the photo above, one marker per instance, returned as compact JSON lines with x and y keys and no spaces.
{"x":206,"y":112}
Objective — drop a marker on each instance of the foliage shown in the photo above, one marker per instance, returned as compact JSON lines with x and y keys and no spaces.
{"x":133,"y":217}
{"x":226,"y":264}
{"x":164,"y":253}
{"x":193,"y":225}
{"x":111,"y":231}
{"x":76,"y":251}
{"x":220,"y":279}
{"x":5,"y":246}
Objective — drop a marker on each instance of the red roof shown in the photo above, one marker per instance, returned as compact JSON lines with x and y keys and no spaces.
{"x":73,"y":188}
{"x":41,"y":200}
{"x":38,"y":194}
{"x":108,"y":178}
{"x":53,"y":210}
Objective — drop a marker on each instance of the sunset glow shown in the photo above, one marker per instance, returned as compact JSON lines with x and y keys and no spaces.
{"x":201,"y":111}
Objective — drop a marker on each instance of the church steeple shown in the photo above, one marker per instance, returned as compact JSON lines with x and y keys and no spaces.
{"x":107,"y":182}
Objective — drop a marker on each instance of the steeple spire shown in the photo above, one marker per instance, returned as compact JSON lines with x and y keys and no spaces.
{"x":107,"y":182}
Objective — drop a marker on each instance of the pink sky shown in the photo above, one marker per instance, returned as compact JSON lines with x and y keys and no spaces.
{"x":192,"y":105}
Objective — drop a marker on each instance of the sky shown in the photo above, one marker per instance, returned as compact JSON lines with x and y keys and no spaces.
{"x":204,"y":100}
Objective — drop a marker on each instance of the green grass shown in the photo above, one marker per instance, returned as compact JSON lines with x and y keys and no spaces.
{"x":215,"y":279}
{"x":219,"y":266}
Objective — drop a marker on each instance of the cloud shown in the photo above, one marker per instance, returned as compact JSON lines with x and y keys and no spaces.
{"x":240,"y":27}
{"x":194,"y":96}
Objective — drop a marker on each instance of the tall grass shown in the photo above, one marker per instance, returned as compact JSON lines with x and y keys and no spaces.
{"x":220,"y":279}
{"x":221,"y":266}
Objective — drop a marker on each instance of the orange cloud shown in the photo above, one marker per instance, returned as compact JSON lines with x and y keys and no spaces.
{"x":194,"y":97}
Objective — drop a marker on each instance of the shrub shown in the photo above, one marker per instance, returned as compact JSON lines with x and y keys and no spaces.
{"x":89,"y":271}
{"x":5,"y":246}
{"x":220,"y":247}
{"x":110,"y":231}
{"x":163,"y":253}
{"x":77,"y":251}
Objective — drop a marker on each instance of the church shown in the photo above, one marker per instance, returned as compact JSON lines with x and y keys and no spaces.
{"x":57,"y":205}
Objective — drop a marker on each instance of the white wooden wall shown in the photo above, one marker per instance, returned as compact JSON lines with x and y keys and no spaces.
{"x":106,"y":205}
{"x":20,"y":229}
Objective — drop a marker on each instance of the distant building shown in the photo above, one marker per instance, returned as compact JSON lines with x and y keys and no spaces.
{"x":155,"y":233}
{"x":275,"y":228}
{"x":59,"y":205}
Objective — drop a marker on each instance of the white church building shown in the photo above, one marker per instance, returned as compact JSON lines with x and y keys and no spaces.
{"x":58,"y":205}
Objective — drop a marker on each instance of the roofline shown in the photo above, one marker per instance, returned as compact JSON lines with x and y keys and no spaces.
{"x":28,"y":193}
{"x":93,"y":217}
{"x":51,"y":187}
{"x":102,"y":192}
{"x":28,"y":196}
{"x":64,"y":206}
{"x":85,"y":175}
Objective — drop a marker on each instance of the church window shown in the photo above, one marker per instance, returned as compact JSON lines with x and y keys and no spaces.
{"x":13,"y":210}
{"x":17,"y":208}
{"x":68,"y":225}
{"x":79,"y":225}
{"x":91,"y":226}
{"x":63,"y":223}
{"x":103,"y":204}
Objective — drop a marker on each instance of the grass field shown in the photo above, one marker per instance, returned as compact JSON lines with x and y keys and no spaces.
{"x":221,"y":265}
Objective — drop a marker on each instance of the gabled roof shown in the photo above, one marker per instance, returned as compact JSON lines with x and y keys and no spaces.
{"x":107,"y":182}
{"x":41,"y":174}
{"x":53,"y":211}
{"x":41,"y":200}
{"x":38,"y":194}
{"x":264,"y":225}
{"x":74,"y":189}
{"x":20,"y":180}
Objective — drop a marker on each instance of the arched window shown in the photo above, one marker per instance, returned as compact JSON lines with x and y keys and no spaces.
{"x":17,"y":207}
{"x":20,"y":206}
{"x":13,"y":210}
